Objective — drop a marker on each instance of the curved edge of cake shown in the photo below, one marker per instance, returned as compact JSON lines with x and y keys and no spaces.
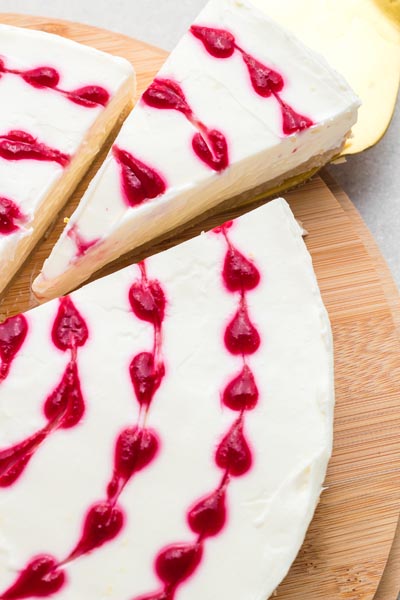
{"x":275,"y":507}
{"x":311,"y":476}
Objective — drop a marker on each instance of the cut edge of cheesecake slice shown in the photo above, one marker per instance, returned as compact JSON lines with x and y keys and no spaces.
{"x":155,"y":145}
{"x":113,"y":113}
{"x":288,"y":430}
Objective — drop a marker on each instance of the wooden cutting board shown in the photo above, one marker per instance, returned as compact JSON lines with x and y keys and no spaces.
{"x":349,"y":541}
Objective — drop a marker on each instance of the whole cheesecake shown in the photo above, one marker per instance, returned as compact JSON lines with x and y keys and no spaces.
{"x":59,"y":101}
{"x":165,"y":431}
{"x":240,"y":104}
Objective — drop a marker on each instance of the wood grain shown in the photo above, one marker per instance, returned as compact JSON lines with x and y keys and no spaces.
{"x":348,"y":543}
{"x":389,"y":586}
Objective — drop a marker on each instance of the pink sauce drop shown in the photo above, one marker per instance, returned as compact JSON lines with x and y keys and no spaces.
{"x":41,"y":578}
{"x":146,"y":376}
{"x":166,"y":94}
{"x":212,"y":149}
{"x":147,"y":301}
{"x":47,"y":77}
{"x":241,"y":337}
{"x":102,"y":524}
{"x":233,"y":453}
{"x":10,"y":216}
{"x":209,"y":145}
{"x":12,"y":335}
{"x":265,"y":81}
{"x":89,"y":96}
{"x":139,"y":181}
{"x":177,"y":562}
{"x":69,"y":329}
{"x":239,"y":273}
{"x":135,"y":449}
{"x":65,"y":406}
{"x":207,"y":517}
{"x":241,"y":393}
{"x":218,"y":42}
{"x":20,"y":145}
{"x":42,"y":77}
{"x":291,"y":120}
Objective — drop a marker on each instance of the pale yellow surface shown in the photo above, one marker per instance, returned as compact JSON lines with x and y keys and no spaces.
{"x":361,"y":40}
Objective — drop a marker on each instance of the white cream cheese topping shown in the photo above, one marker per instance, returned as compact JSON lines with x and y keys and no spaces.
{"x":289,"y":431}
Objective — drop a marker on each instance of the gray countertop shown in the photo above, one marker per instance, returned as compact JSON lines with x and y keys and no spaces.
{"x":371,"y":179}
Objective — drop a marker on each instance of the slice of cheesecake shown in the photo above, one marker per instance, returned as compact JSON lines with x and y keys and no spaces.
{"x":59,"y":101}
{"x":239,"y":104}
{"x":165,"y":431}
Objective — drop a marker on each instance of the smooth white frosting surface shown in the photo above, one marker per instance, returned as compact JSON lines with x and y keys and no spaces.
{"x":46,"y":114}
{"x":290,"y":430}
{"x":221,"y":96}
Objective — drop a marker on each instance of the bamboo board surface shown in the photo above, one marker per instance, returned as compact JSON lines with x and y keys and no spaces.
{"x":349,"y":540}
{"x":389,"y":586}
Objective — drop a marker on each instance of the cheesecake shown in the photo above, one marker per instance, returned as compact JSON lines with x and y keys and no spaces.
{"x":59,"y":102}
{"x":240,"y":104}
{"x":165,"y":431}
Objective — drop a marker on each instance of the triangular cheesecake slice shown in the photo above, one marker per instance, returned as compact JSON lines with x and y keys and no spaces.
{"x":239,"y":104}
{"x":59,"y":101}
{"x":165,"y":431}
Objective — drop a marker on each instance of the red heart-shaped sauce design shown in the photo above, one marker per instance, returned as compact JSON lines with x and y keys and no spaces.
{"x":42,"y":577}
{"x":213,"y":151}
